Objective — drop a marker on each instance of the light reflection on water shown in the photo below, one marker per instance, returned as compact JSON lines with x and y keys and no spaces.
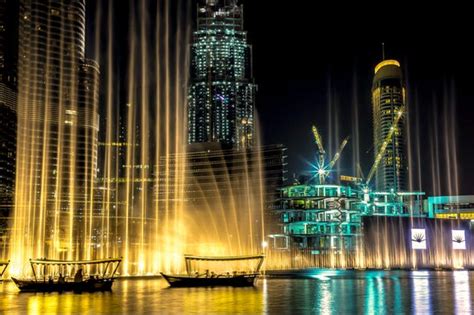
{"x":421,"y":292}
{"x":323,"y":292}
{"x":462,"y":293}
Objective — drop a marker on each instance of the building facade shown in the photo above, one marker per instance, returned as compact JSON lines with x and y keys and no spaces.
{"x":8,"y":110}
{"x":388,"y":98}
{"x":329,"y":217}
{"x":321,"y":217}
{"x":58,"y":125}
{"x":221,"y":101}
{"x":450,"y":207}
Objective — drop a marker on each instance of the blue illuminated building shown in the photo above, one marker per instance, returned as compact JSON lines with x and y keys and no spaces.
{"x":329,"y":217}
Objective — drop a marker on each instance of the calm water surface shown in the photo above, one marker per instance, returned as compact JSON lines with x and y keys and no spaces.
{"x":327,"y":292}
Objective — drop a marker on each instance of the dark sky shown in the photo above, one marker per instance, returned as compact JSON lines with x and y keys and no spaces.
{"x":302,"y":47}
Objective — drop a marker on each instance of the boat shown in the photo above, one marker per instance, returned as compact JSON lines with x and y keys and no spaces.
{"x":3,"y":268}
{"x":92,"y":285}
{"x":210,"y":279}
{"x":79,"y":283}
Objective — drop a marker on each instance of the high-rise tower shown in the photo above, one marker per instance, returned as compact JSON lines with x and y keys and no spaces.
{"x":222,"y":91}
{"x":58,"y":125}
{"x":388,"y":96}
{"x":8,"y":98}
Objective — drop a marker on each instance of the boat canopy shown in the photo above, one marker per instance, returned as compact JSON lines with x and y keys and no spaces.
{"x":45,"y":261}
{"x":223,"y":258}
{"x":53,"y":262}
{"x":189,"y":258}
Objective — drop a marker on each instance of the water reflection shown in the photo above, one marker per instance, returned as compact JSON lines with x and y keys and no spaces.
{"x":421,"y":292}
{"x":324,"y":298}
{"x":321,"y":292}
{"x":462,"y":293}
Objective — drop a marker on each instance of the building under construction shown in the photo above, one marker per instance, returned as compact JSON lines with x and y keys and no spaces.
{"x":329,"y":217}
{"x":320,"y":216}
{"x":373,"y":222}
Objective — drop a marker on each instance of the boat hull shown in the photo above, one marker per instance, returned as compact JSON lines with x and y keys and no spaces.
{"x":85,"y":286}
{"x":233,"y":281}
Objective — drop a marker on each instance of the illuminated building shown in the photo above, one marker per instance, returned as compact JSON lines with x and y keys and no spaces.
{"x":222,"y":92}
{"x":329,"y":217}
{"x":388,"y":96}
{"x":223,"y":151}
{"x":8,"y":107}
{"x":58,"y":125}
{"x":321,"y":216}
{"x":450,"y":207}
{"x":226,"y":178}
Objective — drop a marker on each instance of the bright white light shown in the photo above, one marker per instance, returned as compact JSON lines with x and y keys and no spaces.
{"x":321,"y":172}
{"x":264,"y":244}
{"x":321,"y":277}
{"x":459,"y":239}
{"x":418,"y":238}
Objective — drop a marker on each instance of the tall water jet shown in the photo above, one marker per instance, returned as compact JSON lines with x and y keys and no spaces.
{"x":145,"y":199}
{"x":58,"y":125}
{"x":152,"y":226}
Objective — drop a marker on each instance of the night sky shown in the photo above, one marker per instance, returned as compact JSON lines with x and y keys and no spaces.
{"x":302,"y":47}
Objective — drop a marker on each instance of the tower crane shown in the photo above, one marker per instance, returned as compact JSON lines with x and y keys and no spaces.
{"x":384,"y":146}
{"x":323,"y":169}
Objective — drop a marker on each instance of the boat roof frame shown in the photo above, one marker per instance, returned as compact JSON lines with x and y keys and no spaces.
{"x":58,"y":262}
{"x":48,"y":262}
{"x":189,"y":258}
{"x":223,"y":258}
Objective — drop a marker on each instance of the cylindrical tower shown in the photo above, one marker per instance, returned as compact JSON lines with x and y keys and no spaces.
{"x":388,"y":96}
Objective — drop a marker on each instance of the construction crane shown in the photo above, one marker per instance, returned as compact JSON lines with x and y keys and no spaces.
{"x":323,"y":169}
{"x":384,"y":146}
{"x":321,"y":152}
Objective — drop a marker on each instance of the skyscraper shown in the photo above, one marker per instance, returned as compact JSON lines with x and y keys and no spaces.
{"x":222,"y":91}
{"x":58,"y":126}
{"x":8,"y":41}
{"x":227,"y":167}
{"x":388,"y":96}
{"x":8,"y":98}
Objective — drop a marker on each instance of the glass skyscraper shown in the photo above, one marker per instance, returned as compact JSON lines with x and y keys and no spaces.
{"x":222,"y":92}
{"x":58,"y":124}
{"x":8,"y":107}
{"x":388,"y":96}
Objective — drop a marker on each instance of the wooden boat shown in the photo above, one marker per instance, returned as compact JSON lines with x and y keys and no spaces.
{"x":230,"y":281}
{"x":91,"y":285}
{"x":3,"y":268}
{"x":235,"y":279}
{"x":80,"y":283}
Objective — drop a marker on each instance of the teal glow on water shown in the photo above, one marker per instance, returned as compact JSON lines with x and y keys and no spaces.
{"x":324,"y":291}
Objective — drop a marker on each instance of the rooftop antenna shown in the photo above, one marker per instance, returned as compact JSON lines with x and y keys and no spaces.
{"x":383,"y":51}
